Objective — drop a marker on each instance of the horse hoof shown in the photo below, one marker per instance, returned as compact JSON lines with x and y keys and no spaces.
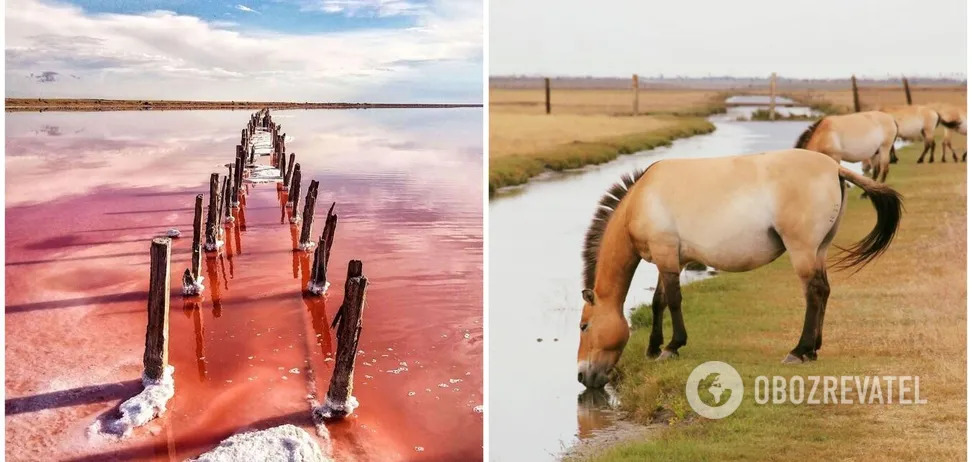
{"x":791,"y":359}
{"x":665,"y":354}
{"x":652,"y":353}
{"x":921,"y":161}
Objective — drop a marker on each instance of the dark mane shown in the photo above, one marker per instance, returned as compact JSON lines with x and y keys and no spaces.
{"x":805,"y":136}
{"x":609,"y":202}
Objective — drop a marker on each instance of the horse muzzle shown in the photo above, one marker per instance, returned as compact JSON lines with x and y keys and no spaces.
{"x":591,"y":376}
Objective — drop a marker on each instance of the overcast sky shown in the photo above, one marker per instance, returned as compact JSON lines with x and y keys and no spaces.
{"x":294,"y":50}
{"x":819,"y":38}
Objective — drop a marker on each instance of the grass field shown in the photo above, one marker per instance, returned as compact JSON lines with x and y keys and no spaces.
{"x":841,"y":101}
{"x":585,"y":127}
{"x":905,"y":314}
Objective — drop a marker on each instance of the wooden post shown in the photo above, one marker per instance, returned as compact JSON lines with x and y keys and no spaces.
{"x":634,"y":88}
{"x":282,"y":166}
{"x":309,"y":204}
{"x":156,"y":356}
{"x":907,"y":90}
{"x":243,"y":137}
{"x":237,"y":180}
{"x":196,"y":263}
{"x":340,"y":402}
{"x":290,"y":170}
{"x":226,"y":206}
{"x":355,"y":269}
{"x":546,"y":86}
{"x":318,"y":283}
{"x":773,"y":96}
{"x":857,"y":99}
{"x":212,"y":218}
{"x":295,"y":195}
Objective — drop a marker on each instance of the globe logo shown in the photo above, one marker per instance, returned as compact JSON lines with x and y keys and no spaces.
{"x":714,"y":389}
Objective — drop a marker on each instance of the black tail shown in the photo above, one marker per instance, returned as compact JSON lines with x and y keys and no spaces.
{"x":805,"y":136}
{"x":887,"y":203}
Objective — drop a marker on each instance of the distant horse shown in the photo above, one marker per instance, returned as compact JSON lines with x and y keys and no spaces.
{"x":854,"y":138}
{"x":917,"y":122}
{"x":732,"y":213}
{"x":953,"y":118}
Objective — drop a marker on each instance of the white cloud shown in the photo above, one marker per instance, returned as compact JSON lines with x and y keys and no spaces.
{"x":379,"y":8}
{"x":246,"y":9}
{"x":165,"y":55}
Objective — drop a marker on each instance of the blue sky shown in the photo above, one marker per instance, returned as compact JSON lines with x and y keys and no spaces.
{"x":295,"y":50}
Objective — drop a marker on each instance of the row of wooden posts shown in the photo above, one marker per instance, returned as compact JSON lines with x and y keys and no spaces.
{"x":229,"y":194}
{"x":635,"y":87}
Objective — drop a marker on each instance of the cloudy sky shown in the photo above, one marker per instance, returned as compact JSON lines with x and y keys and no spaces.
{"x":294,"y":50}
{"x":820,"y":38}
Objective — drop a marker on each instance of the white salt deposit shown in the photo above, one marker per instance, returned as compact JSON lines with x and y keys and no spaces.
{"x":214,"y":247}
{"x":305,"y":246}
{"x":173,"y":232}
{"x":195,"y":288}
{"x":478,"y":409}
{"x":330,"y":409}
{"x":145,"y":406}
{"x":317,"y":289}
{"x":286,"y":443}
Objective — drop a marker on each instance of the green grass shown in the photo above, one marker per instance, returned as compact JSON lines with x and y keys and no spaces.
{"x":902,"y":315}
{"x":519,"y":168}
{"x":764,"y":115}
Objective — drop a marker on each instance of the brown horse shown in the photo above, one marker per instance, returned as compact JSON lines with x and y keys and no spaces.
{"x":854,"y":138}
{"x":914,"y":123}
{"x":953,"y":118}
{"x":732,"y":213}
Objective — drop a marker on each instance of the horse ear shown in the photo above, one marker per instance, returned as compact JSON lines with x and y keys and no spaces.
{"x":588,"y":295}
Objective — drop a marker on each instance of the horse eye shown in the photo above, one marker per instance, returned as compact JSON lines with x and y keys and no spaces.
{"x":583,"y":327}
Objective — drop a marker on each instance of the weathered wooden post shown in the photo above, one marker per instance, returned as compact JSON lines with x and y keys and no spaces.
{"x":237,"y":184}
{"x":546,"y":86}
{"x":295,"y":197}
{"x":310,"y":202}
{"x":355,"y":269}
{"x":156,"y":356}
{"x":192,"y":279}
{"x":907,"y":90}
{"x":212,"y":226}
{"x":282,"y":167}
{"x":226,"y":206}
{"x":857,"y":99}
{"x":634,"y":89}
{"x":318,"y":281}
{"x":290,"y":170}
{"x":773,"y":96}
{"x":243,"y":137}
{"x":294,"y":186}
{"x":340,"y":403}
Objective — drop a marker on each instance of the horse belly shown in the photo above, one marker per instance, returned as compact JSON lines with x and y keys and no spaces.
{"x":857,"y":149}
{"x":910,"y":128}
{"x":733,"y":245}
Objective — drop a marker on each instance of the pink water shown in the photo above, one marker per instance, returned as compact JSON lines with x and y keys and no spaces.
{"x":87,"y":191}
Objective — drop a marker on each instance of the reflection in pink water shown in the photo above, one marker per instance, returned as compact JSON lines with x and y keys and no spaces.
{"x":83,"y":204}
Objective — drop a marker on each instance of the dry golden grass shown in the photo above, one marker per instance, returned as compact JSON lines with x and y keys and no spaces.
{"x":905,"y":314}
{"x":878,"y":97}
{"x":523,"y":133}
{"x":605,"y":101}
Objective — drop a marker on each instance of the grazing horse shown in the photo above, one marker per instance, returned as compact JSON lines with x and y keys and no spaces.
{"x":917,"y":122}
{"x":732,"y":213}
{"x":953,"y":118}
{"x":854,"y":138}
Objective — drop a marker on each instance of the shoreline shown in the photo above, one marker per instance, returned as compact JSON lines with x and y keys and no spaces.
{"x":518,"y":169}
{"x":99,"y":105}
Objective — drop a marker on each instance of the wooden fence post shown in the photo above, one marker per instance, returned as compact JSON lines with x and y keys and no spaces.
{"x":282,"y":166}
{"x":546,"y":85}
{"x":290,"y":170}
{"x":226,"y":206}
{"x":156,"y":356}
{"x":634,"y":88}
{"x":857,"y":99}
{"x":340,"y":402}
{"x":772,"y":104}
{"x":310,"y":202}
{"x":191,"y":280}
{"x":907,"y":90}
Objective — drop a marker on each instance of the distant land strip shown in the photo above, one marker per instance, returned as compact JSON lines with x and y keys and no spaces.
{"x":57,"y":104}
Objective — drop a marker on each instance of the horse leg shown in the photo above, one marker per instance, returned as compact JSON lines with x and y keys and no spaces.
{"x":673,"y":298}
{"x":658,"y":317}
{"x":816,"y":289}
